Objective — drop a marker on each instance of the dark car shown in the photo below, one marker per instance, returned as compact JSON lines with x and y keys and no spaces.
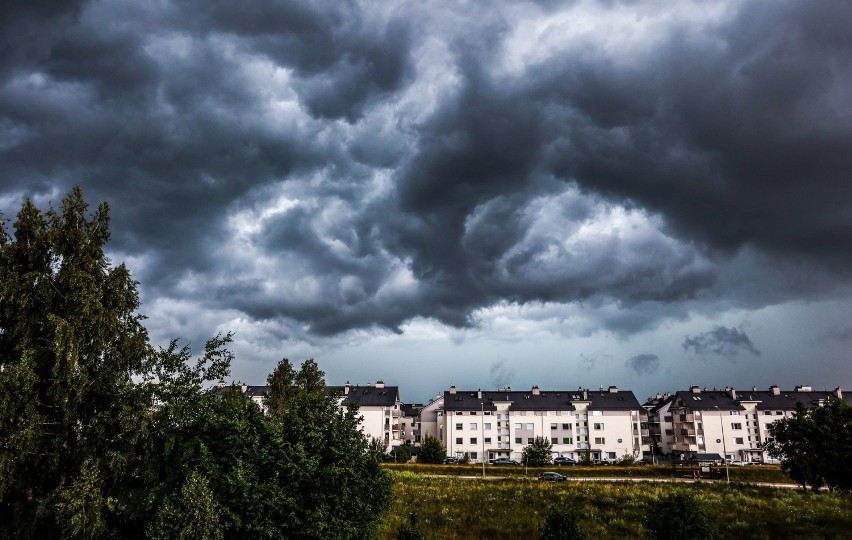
{"x":551,"y":477}
{"x":563,"y":461}
{"x":504,"y":461}
{"x":450,"y":460}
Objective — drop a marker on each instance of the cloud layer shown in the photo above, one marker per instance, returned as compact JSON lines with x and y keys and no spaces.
{"x":305,"y":170}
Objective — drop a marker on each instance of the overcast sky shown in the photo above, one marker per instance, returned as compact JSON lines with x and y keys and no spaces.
{"x":650,"y":194}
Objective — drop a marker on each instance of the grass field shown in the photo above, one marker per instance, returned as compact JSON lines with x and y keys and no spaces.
{"x":451,"y":507}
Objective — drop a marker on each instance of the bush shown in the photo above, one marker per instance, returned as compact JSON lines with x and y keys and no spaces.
{"x":677,"y":516}
{"x":539,"y":453}
{"x":562,"y":524}
{"x":410,"y":530}
{"x":431,"y":451}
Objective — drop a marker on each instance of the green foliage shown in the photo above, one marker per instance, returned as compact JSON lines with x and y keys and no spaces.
{"x":72,"y":420}
{"x":193,"y":516}
{"x":813,"y":445}
{"x":377,"y":448}
{"x":678,"y":516}
{"x":562,"y":524}
{"x":626,"y":460}
{"x":403,"y":454}
{"x":410,"y":530}
{"x":431,"y":451}
{"x":586,"y":458}
{"x":539,"y":453}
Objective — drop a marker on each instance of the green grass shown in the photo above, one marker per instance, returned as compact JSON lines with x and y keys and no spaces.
{"x":456,"y":508}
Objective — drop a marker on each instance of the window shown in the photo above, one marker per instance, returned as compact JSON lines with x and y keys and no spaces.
{"x":736,"y":425}
{"x":554,"y":440}
{"x":553,"y":426}
{"x":597,"y":413}
{"x":529,"y":440}
{"x":473,"y":440}
{"x":517,"y":440}
{"x":566,"y":440}
{"x":566,"y":426}
{"x":472,"y":455}
{"x":669,"y":432}
{"x":768,"y":425}
{"x":487,"y":426}
{"x":735,"y":413}
{"x":738,"y":440}
{"x":458,"y":426}
{"x":517,"y":426}
{"x":600,"y":440}
{"x":599,"y":426}
{"x":767,"y":413}
{"x":610,"y":455}
{"x":474,"y":426}
{"x":487,"y":440}
{"x":530,"y":427}
{"x":458,"y":440}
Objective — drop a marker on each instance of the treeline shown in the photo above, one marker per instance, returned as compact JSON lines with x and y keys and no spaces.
{"x":103,"y":435}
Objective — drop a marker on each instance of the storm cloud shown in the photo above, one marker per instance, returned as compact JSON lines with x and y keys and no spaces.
{"x":722,"y":341}
{"x":644,"y":364}
{"x":309,"y":170}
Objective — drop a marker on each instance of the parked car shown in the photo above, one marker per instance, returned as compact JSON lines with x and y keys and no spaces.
{"x":450,"y":460}
{"x":504,"y":461}
{"x":602,"y":462}
{"x":737,"y":463}
{"x":551,"y":477}
{"x":563,"y":461}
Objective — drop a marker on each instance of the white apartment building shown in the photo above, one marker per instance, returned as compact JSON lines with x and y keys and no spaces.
{"x":734,"y":423}
{"x":495,"y":424}
{"x":380,"y":409}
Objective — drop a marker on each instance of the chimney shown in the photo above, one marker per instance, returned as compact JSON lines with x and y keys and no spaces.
{"x":585,"y":395}
{"x":346,"y":388}
{"x":380,"y":384}
{"x":732,"y":393}
{"x":695,"y":389}
{"x":775,"y":390}
{"x":536,"y":391}
{"x":613,"y":389}
{"x":221,"y":383}
{"x":479,"y":394}
{"x":754,"y":389}
{"x":453,"y":389}
{"x":838,"y":393}
{"x":804,"y":389}
{"x":244,"y":387}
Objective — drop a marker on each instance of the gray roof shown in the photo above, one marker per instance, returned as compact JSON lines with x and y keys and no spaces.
{"x":367,"y":396}
{"x":765,"y":399}
{"x":545,"y":400}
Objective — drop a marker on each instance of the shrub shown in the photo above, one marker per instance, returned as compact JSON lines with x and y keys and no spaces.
{"x":410,"y":530}
{"x":562,"y":524}
{"x":677,"y":516}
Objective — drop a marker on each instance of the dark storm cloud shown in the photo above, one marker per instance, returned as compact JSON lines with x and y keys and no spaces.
{"x":426,"y":178}
{"x":721,"y":341}
{"x":644,"y":364}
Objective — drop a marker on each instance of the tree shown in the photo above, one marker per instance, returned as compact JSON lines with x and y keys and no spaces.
{"x":403,"y":454}
{"x":539,"y":453}
{"x":678,"y":516}
{"x":431,"y":451}
{"x":71,"y":417}
{"x":813,"y":445}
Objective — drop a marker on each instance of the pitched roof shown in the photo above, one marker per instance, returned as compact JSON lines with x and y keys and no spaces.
{"x":764,"y":399}
{"x":545,"y":400}
{"x":367,"y":396}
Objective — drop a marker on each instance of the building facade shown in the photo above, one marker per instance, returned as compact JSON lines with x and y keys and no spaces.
{"x":486,"y":425}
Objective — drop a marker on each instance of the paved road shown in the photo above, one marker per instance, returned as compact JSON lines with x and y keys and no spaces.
{"x":630,"y":479}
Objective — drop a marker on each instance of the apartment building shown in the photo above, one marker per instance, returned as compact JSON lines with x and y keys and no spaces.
{"x":733,"y":423}
{"x":380,"y":409}
{"x":661,"y":432}
{"x":501,"y":423}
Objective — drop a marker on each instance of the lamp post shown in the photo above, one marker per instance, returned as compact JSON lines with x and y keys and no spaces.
{"x":724,"y":445}
{"x":482,"y":404}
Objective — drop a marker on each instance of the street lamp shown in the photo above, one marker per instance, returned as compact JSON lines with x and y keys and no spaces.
{"x":724,"y":446}
{"x":482,"y":404}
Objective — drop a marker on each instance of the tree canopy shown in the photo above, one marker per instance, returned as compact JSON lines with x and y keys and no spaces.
{"x":813,"y":445}
{"x":539,"y":453}
{"x":431,"y":451}
{"x":103,"y":435}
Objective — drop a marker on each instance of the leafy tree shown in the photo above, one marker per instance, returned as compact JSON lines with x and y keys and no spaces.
{"x":431,"y":451}
{"x":562,"y":524}
{"x":539,"y":453}
{"x":403,"y":454}
{"x":678,"y":516}
{"x":813,"y":445}
{"x":194,"y":516}
{"x":72,"y":420}
{"x":377,"y":448}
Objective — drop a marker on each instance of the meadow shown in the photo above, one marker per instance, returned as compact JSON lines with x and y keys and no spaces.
{"x":515,"y":506}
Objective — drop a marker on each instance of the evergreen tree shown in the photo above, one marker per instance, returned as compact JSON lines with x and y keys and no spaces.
{"x":539,"y":453}
{"x":431,"y":451}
